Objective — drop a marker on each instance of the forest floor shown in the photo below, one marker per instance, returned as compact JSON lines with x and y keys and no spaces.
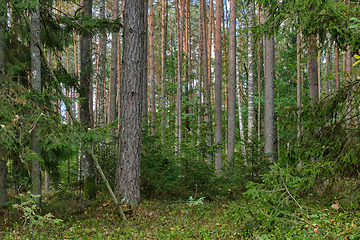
{"x":178,"y":219}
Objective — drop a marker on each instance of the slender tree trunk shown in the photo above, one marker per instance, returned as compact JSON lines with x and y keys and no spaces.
{"x":127,"y":178}
{"x":200,"y":69}
{"x":85,"y":92}
{"x":313,"y":67}
{"x":298,"y":85}
{"x":250,"y":72}
{"x":269,"y":73}
{"x":206,"y":68}
{"x":36,"y":85}
{"x":328,"y":67}
{"x":232,"y":85}
{"x":152,"y":67}
{"x":113,"y":80}
{"x":218,"y":55}
{"x":163,"y":64}
{"x":102,"y":69}
{"x":337,"y":79}
{"x":258,"y":77}
{"x":178,"y":123}
{"x":46,"y":180}
{"x":3,"y":168}
{"x":348,"y":63}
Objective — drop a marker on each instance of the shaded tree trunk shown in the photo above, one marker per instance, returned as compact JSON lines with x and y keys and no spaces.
{"x":313,"y":68}
{"x":218,"y":55}
{"x":102,"y":69}
{"x":85,"y":93}
{"x":3,"y":169}
{"x":336,"y":60}
{"x":36,"y":85}
{"x":113,"y":79}
{"x":163,"y":63}
{"x":269,"y":73}
{"x":127,"y":178}
{"x":232,"y":85}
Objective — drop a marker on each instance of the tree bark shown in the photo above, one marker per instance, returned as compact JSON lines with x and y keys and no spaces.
{"x":163,"y":63}
{"x":102,"y":69}
{"x":127,"y":179}
{"x":337,"y":79}
{"x":250,"y":72}
{"x":85,"y":93}
{"x":232,"y":85}
{"x":152,"y":67}
{"x":113,"y":79}
{"x":269,"y":73}
{"x":313,"y":68}
{"x":3,"y":169}
{"x":218,"y":55}
{"x":36,"y":85}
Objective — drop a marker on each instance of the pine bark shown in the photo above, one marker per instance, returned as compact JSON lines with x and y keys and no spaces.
{"x":163,"y":63}
{"x":36,"y":85}
{"x":127,"y":179}
{"x":232,"y":84}
{"x":152,"y":67}
{"x":336,"y":60}
{"x":218,"y":56}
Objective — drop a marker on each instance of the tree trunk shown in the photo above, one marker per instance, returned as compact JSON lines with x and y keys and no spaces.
{"x":178,"y":123}
{"x":152,"y":67}
{"x":36,"y":85}
{"x":163,"y":63}
{"x":328,"y":67}
{"x":127,"y":178}
{"x":232,"y":85}
{"x":46,"y":180}
{"x":85,"y":93}
{"x":102,"y":69}
{"x":250,"y":72}
{"x":218,"y":132}
{"x":3,"y":169}
{"x":269,"y":73}
{"x":240,"y":93}
{"x":113,"y":80}
{"x":208,"y":125}
{"x":200,"y":70}
{"x":145,"y":63}
{"x":337,"y":66}
{"x":298,"y":85}
{"x":313,"y":68}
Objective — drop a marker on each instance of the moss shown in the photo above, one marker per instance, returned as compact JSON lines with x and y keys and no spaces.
{"x":90,"y":188}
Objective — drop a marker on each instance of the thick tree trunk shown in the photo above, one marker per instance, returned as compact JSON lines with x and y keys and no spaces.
{"x":36,"y":85}
{"x":85,"y":93}
{"x":152,"y":67}
{"x":313,"y":68}
{"x":113,"y":79}
{"x":269,"y":72}
{"x":250,"y":72}
{"x":232,"y":85}
{"x":127,"y":179}
{"x":218,"y":55}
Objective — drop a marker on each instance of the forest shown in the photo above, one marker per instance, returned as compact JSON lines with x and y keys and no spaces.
{"x":179,"y":119}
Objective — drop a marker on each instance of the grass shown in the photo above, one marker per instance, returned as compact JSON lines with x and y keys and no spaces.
{"x":177,"y":219}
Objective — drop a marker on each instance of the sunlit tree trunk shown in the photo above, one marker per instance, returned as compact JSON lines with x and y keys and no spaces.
{"x":127,"y":177}
{"x":200,"y":70}
{"x":250,"y":72}
{"x":145,"y":64}
{"x":87,"y":164}
{"x":258,"y":76}
{"x":328,"y":66}
{"x":218,"y":55}
{"x":152,"y":67}
{"x":313,"y":68}
{"x":232,"y":84}
{"x":163,"y":63}
{"x":36,"y":85}
{"x":113,"y":80}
